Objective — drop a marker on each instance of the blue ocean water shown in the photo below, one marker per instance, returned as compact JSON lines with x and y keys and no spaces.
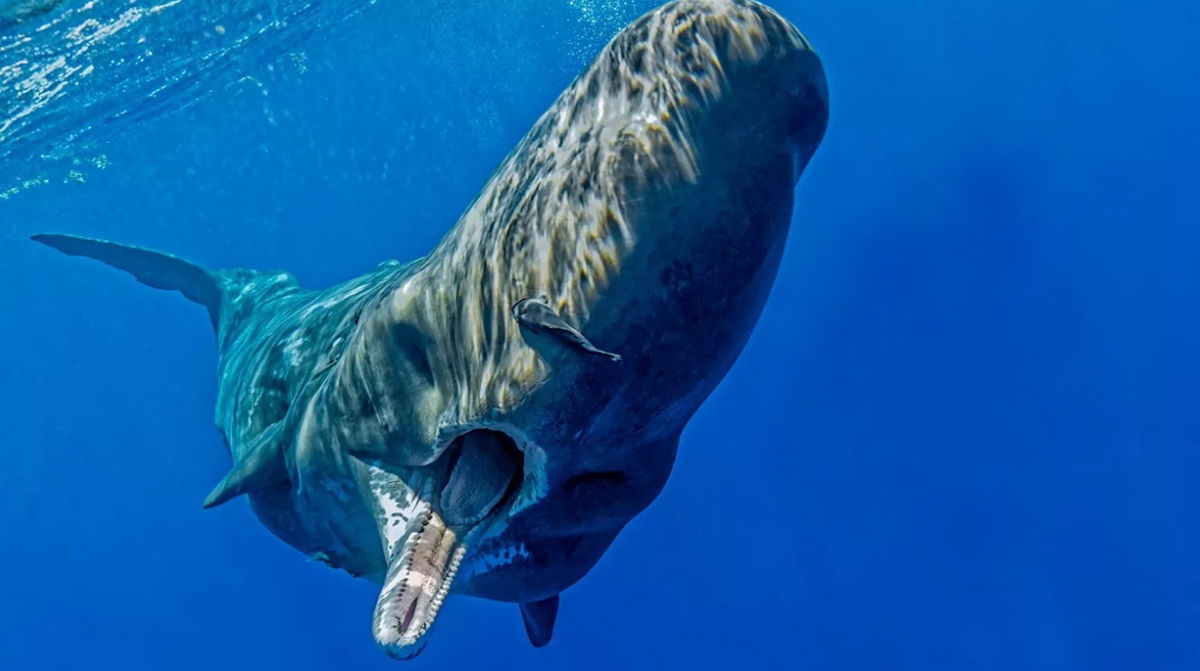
{"x":963,"y":435}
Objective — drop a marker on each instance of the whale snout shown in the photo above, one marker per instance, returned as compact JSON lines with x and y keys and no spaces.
{"x":773,"y":96}
{"x":806,"y":110}
{"x":700,"y":87}
{"x":722,"y":105}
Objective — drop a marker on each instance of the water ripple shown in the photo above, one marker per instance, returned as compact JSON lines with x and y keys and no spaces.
{"x":77,"y":71}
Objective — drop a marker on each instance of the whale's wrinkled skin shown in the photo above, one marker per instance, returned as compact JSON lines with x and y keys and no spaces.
{"x":486,"y":420}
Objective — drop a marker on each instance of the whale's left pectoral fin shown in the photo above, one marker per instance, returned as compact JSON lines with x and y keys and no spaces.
{"x":536,"y":315}
{"x":262,"y":466}
{"x":539,"y":619}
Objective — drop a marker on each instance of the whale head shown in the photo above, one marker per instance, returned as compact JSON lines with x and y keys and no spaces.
{"x":648,"y":208}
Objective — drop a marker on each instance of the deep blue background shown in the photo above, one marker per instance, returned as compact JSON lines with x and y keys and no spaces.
{"x":964,"y":435}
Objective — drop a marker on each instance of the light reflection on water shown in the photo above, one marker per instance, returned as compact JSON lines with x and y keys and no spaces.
{"x":72,"y":72}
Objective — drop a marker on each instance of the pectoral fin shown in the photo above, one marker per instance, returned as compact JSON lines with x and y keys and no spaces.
{"x":539,"y":619}
{"x":262,"y":466}
{"x":536,"y":316}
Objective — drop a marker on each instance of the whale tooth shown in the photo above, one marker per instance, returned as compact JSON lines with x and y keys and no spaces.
{"x":416,"y":585}
{"x":262,"y":465}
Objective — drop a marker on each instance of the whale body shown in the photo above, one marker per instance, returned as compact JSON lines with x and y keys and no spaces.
{"x":486,"y":419}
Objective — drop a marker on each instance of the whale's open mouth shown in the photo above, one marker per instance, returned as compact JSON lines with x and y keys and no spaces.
{"x":484,"y":468}
{"x":474,"y":483}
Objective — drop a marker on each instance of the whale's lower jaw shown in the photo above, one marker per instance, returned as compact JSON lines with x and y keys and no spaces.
{"x":417,"y":584}
{"x":432,"y":517}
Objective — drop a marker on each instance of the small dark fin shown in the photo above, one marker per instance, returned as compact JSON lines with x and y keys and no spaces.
{"x":539,"y":619}
{"x":154,"y":269}
{"x":263,"y":466}
{"x":536,"y":315}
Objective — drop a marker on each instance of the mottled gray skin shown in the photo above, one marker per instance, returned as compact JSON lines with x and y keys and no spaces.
{"x":650,"y":206}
